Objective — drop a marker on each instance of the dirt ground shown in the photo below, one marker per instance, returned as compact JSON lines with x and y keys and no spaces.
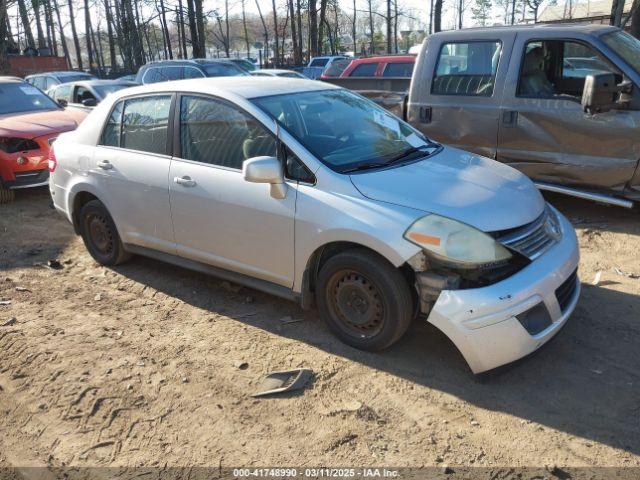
{"x":140,"y":365}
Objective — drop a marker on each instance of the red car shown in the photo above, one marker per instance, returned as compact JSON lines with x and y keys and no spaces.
{"x":396,"y":66}
{"x":29,"y":122}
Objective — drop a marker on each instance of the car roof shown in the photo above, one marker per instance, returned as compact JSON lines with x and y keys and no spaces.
{"x":62,"y":73}
{"x":245,"y":87}
{"x":385,"y":59}
{"x":94,"y":83}
{"x":275,"y":71}
{"x":560,"y":28}
{"x":9,"y":79}
{"x":193,"y":61}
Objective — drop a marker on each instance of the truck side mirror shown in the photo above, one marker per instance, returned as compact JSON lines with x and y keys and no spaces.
{"x":600,"y":93}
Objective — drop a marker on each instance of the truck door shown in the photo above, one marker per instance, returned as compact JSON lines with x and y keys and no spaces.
{"x":457,"y":89}
{"x":543,"y":130}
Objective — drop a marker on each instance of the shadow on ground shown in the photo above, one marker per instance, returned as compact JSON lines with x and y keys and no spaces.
{"x":585,"y":382}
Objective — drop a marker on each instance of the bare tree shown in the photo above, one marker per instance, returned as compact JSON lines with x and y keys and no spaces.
{"x":244,"y":29}
{"x":4,"y":38}
{"x":437,"y":16}
{"x":26,"y":24}
{"x":74,"y":34}
{"x":275,"y":30}
{"x":42,"y":43}
{"x":63,"y":39}
{"x":266,"y":32}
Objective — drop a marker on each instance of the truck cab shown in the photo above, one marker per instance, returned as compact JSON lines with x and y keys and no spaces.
{"x":515,"y":94}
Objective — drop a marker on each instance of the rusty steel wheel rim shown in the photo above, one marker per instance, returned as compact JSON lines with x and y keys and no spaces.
{"x":100,"y":233}
{"x":356,"y":304}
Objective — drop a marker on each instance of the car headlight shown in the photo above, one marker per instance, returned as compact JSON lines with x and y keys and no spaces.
{"x":455,"y":242}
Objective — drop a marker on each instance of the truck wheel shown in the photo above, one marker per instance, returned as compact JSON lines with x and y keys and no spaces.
{"x":100,"y":234}
{"x":364,"y":300}
{"x":6,"y":195}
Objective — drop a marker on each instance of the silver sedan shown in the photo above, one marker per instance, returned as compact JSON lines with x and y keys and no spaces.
{"x":315,"y":194}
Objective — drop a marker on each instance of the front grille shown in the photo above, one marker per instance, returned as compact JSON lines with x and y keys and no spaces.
{"x":564,"y":293}
{"x":535,"y":238}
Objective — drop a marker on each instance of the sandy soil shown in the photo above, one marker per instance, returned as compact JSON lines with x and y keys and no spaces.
{"x":140,"y":365}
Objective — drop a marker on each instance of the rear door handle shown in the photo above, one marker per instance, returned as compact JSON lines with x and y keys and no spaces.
{"x":105,"y":165}
{"x":185,"y":181}
{"x":425,"y":114}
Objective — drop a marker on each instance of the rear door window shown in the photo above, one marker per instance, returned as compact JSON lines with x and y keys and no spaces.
{"x":162,"y":74}
{"x":192,"y":72}
{"x":467,"y":68}
{"x":145,"y":124}
{"x":364,"y":70}
{"x":398,"y":69}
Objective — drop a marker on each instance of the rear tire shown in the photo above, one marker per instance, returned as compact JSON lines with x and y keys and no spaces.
{"x":100,"y":234}
{"x":6,"y":195}
{"x":364,"y":300}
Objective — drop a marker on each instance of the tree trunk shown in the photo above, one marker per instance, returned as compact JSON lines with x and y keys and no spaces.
{"x":431,"y":17}
{"x":322,"y":22}
{"x":42,"y":42}
{"x":388,"y":20}
{"x":313,"y":28}
{"x":74,"y":34}
{"x":353,"y":28}
{"x":395,"y":26}
{"x":181,"y":29}
{"x":300,"y":44}
{"x":63,"y":39}
{"x":87,"y":32}
{"x":294,"y":34}
{"x":200,"y":26}
{"x":372,"y":43}
{"x":227,"y":45}
{"x":617,"y":9}
{"x":22,"y":8}
{"x":4,"y":39}
{"x":165,"y":30}
{"x":112,"y":43}
{"x":266,"y":34}
{"x":437,"y":16}
{"x":275,"y":29}
{"x":193,"y":30}
{"x":460,"y":13}
{"x":51,"y":25}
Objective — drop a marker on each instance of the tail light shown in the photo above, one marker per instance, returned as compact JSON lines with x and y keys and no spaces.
{"x":53,"y":163}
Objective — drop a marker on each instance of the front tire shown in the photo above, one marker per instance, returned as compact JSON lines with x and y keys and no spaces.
{"x":100,"y":234}
{"x":364,"y":300}
{"x":6,"y":195}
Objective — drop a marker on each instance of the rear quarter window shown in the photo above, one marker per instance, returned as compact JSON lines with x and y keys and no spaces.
{"x":399,"y":69}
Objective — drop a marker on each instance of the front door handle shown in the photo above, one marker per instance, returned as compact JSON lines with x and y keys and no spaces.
{"x":510,"y":118}
{"x":105,"y":165}
{"x":185,"y":181}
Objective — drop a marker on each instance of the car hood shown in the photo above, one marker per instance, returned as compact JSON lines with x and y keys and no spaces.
{"x":37,"y":124}
{"x":475,"y":190}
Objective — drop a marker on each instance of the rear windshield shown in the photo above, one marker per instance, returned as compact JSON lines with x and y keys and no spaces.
{"x":22,"y":97}
{"x":75,"y":78}
{"x":223,"y":70}
{"x":105,"y":90}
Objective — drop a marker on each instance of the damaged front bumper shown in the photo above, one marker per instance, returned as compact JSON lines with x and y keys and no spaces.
{"x":498,"y":324}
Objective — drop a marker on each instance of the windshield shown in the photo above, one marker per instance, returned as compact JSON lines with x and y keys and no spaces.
{"x":75,"y":78}
{"x":626,"y":46}
{"x":104,"y":90}
{"x":223,"y":70}
{"x":345,"y":131}
{"x":22,"y":97}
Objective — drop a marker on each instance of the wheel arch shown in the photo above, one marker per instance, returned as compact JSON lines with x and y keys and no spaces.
{"x":329,"y":249}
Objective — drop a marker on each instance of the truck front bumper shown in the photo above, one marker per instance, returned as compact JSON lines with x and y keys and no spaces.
{"x":495,"y":325}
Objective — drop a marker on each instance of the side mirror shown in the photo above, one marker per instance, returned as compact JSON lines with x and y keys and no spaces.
{"x":89,"y":102}
{"x":266,"y":170}
{"x":600,"y":93}
{"x":63,"y":103}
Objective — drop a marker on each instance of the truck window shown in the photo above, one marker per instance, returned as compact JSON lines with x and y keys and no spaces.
{"x":467,"y":68}
{"x":558,"y":68}
{"x":398,"y":69}
{"x":364,"y":70}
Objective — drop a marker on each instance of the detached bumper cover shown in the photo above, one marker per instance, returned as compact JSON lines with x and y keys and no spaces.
{"x":483,"y":322}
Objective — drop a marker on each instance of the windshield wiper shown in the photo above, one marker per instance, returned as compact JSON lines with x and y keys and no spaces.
{"x":401,"y":156}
